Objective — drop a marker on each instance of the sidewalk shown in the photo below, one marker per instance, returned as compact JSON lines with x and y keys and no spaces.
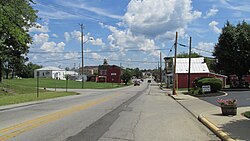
{"x":226,"y":127}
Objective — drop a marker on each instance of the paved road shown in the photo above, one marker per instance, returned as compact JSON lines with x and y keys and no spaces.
{"x":141,"y":112}
{"x":243,"y":98}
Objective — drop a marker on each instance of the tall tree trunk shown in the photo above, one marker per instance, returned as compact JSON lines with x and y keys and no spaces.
{"x":1,"y":71}
{"x":240,"y":80}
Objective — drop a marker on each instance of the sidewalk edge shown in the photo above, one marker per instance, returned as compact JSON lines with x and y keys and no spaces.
{"x":221,"y":134}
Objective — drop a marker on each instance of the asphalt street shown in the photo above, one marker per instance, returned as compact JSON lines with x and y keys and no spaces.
{"x":242,"y":98}
{"x":136,"y":113}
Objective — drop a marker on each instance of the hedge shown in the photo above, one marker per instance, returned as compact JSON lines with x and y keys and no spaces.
{"x":215,"y":83}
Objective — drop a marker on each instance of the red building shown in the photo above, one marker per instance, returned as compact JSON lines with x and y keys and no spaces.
{"x":109,"y":73}
{"x":198,"y":69}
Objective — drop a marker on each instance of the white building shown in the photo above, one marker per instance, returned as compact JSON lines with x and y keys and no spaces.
{"x":54,"y":73}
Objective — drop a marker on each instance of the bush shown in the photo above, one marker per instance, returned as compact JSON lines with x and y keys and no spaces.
{"x":215,"y":83}
{"x":196,"y":91}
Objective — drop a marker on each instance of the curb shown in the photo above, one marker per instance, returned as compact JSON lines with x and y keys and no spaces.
{"x":222,"y":135}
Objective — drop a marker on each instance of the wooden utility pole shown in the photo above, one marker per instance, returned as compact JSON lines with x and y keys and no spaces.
{"x":189,"y":63}
{"x":160,"y":69}
{"x":81,"y":25}
{"x":175,"y":55}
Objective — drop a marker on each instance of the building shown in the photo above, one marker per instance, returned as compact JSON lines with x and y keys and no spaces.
{"x":198,"y":69}
{"x":89,"y":70}
{"x":109,"y":73}
{"x":54,"y":73}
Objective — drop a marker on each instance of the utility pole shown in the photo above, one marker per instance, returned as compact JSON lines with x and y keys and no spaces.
{"x":81,"y":25}
{"x":189,"y":63}
{"x":160,"y":69}
{"x":175,"y":55}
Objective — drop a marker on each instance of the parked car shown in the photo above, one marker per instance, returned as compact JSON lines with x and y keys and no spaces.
{"x":149,"y":81}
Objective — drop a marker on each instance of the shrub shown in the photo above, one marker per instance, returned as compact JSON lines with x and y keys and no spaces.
{"x":215,"y":83}
{"x":196,"y":91}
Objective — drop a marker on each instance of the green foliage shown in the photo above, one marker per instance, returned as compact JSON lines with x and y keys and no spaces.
{"x":126,"y":76}
{"x":16,"y":17}
{"x":196,"y":91}
{"x":186,"y":55}
{"x":247,"y":114}
{"x":20,"y":98}
{"x":27,"y":71}
{"x":233,"y":49}
{"x":215,"y":83}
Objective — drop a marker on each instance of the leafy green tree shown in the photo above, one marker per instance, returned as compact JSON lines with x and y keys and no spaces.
{"x":233,"y":50}
{"x":186,"y":55}
{"x":126,"y":76}
{"x":27,"y":71}
{"x":16,"y":18}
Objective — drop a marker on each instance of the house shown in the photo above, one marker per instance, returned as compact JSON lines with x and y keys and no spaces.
{"x":109,"y":73}
{"x":198,"y":69}
{"x":54,"y":73}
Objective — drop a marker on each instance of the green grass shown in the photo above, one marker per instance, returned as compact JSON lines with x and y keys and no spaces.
{"x":247,"y":114}
{"x":13,"y":91}
{"x":31,"y":84}
{"x":20,"y":98}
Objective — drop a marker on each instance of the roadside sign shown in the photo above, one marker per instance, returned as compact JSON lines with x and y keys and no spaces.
{"x":206,"y":88}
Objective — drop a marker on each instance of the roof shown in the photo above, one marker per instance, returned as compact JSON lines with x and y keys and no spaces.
{"x":49,"y":69}
{"x":197,"y":65}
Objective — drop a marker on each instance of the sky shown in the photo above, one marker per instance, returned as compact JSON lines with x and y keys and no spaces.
{"x":128,"y":33}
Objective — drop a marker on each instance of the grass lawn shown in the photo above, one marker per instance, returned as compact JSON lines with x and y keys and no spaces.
{"x":15,"y":91}
{"x":20,"y":98}
{"x":247,"y":114}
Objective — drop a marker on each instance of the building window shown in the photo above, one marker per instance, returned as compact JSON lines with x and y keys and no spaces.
{"x":103,"y":72}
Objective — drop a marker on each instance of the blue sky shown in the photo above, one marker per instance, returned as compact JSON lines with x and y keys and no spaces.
{"x":131,"y":33}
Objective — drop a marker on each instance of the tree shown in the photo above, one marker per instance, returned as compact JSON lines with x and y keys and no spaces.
{"x":186,"y":55}
{"x":27,"y":71}
{"x":126,"y":76}
{"x":233,"y":50}
{"x":16,"y":18}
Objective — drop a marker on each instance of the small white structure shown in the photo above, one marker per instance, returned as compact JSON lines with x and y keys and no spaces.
{"x":54,"y":73}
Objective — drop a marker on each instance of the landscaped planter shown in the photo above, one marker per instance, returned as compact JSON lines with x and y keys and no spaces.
{"x":228,"y":110}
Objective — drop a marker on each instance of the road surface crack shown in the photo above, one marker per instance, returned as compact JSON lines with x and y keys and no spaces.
{"x":117,"y":138}
{"x":136,"y":124}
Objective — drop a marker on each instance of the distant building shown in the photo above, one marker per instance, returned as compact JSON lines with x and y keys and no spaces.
{"x":89,"y":70}
{"x":198,"y":69}
{"x":109,"y":73}
{"x":54,"y":73}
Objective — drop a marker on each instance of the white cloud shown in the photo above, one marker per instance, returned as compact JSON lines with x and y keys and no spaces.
{"x":204,"y":48}
{"x":55,"y":35}
{"x":39,"y":39}
{"x":148,"y":21}
{"x":211,"y":12}
{"x":67,"y":36}
{"x":97,"y":42}
{"x":71,"y":55}
{"x":76,"y":35}
{"x":96,"y":56}
{"x":152,"y":18}
{"x":89,"y":8}
{"x":40,"y":28}
{"x":55,"y":14}
{"x":213,"y":26}
{"x":53,"y":47}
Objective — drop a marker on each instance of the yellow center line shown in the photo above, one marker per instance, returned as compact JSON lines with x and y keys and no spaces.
{"x":14,"y":130}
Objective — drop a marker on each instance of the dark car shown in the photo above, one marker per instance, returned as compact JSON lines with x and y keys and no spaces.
{"x":149,"y":81}
{"x":137,"y":83}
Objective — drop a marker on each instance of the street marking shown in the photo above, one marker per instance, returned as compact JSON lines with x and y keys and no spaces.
{"x":14,"y":130}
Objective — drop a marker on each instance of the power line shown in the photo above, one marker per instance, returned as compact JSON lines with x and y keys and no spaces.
{"x":100,"y":51}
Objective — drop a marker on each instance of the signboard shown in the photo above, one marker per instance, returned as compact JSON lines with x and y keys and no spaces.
{"x":113,"y":74}
{"x":206,"y":88}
